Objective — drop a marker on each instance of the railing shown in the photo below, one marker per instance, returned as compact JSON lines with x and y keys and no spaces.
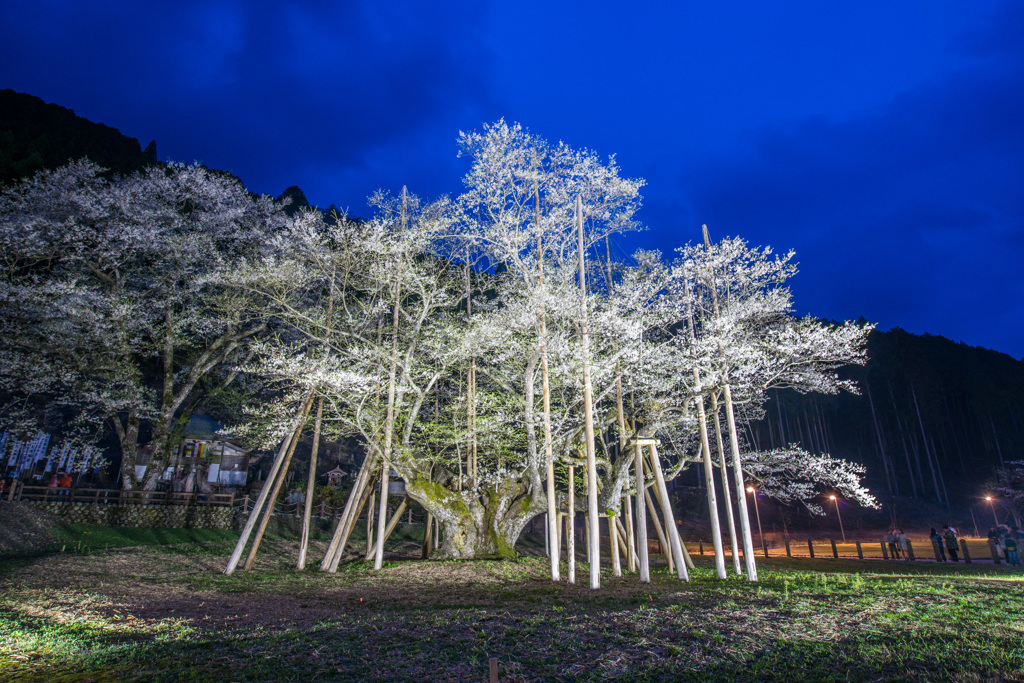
{"x":968,"y":551}
{"x":120,"y":497}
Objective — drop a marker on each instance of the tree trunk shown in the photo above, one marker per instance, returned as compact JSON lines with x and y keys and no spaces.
{"x":477,"y":525}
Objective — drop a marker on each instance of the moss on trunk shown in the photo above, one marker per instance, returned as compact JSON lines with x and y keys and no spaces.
{"x":481,"y":524}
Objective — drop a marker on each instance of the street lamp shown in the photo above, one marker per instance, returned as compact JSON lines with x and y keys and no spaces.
{"x":757,"y":512}
{"x":840,"y":518}
{"x":993,"y":506}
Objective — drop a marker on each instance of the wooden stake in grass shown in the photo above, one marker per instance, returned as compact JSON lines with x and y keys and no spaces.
{"x":236,"y":555}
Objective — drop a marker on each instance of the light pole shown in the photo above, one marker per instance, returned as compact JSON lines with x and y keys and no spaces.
{"x":840,"y":518}
{"x":992,"y":504}
{"x":757,"y":512}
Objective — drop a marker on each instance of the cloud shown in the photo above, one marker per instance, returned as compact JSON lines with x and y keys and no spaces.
{"x":308,"y":85}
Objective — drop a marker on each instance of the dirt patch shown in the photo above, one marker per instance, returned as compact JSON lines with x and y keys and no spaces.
{"x":24,"y":528}
{"x":160,"y":583}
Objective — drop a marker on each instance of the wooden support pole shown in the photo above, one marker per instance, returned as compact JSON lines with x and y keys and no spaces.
{"x":670,"y":523}
{"x":663,"y":546}
{"x":236,"y":555}
{"x":726,"y":493}
{"x":789,"y":553}
{"x":570,"y":528}
{"x":682,"y":545}
{"x":810,"y":547}
{"x":558,"y":533}
{"x":860,"y":551}
{"x":269,"y":510}
{"x":995,"y":552}
{"x":613,"y":538}
{"x":428,"y":537}
{"x":966,"y":552}
{"x":627,"y":505}
{"x":741,"y":498}
{"x":551,"y":520}
{"x":641,"y":516}
{"x":586,"y":538}
{"x":835,"y":550}
{"x":392,"y":523}
{"x":588,"y":411}
{"x":910,"y":551}
{"x":370,"y":511}
{"x":621,"y":538}
{"x":353,"y":507}
{"x":307,"y":512}
{"x":885,"y":551}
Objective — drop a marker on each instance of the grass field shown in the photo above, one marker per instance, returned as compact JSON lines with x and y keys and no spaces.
{"x":155,"y":606}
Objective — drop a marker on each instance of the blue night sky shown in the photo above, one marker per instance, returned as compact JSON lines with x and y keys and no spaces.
{"x":883,"y":141}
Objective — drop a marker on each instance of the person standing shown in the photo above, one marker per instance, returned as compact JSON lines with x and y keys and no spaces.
{"x":1011,"y":547}
{"x":901,"y":543}
{"x":890,"y":540}
{"x":949,"y":535}
{"x":937,"y":541}
{"x":993,"y":540}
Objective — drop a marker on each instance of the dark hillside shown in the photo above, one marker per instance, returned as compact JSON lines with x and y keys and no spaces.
{"x":35,"y":135}
{"x":934,"y":418}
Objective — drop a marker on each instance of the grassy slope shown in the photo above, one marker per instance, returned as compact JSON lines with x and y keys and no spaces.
{"x":167,"y":613}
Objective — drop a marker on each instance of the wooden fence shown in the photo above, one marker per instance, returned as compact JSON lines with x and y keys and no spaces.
{"x":970,"y":550}
{"x":121,"y":497}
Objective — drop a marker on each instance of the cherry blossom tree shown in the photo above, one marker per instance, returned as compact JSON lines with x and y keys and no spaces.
{"x":112,"y":299}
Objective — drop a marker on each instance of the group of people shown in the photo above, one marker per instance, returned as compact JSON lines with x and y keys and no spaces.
{"x":946,"y":542}
{"x":60,"y":482}
{"x":897,"y":542}
{"x":1006,"y":539}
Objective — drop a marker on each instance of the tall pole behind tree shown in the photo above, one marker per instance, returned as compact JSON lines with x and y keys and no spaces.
{"x":734,"y":445}
{"x":588,"y":418}
{"x":554,"y":550}
{"x":389,"y":422}
{"x":709,"y":473}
